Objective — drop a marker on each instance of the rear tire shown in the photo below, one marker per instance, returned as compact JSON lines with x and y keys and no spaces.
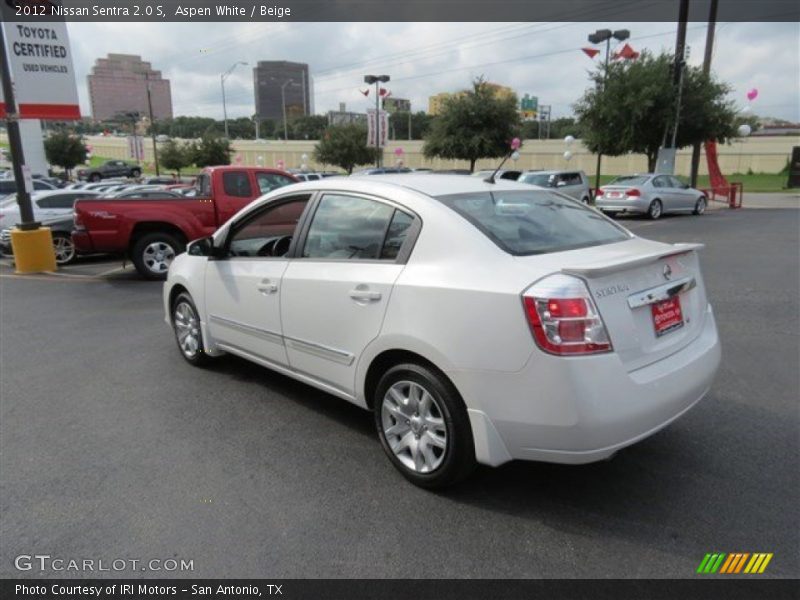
{"x":700,"y":206}
{"x":423,"y":426}
{"x":611,"y":214}
{"x":136,"y":173}
{"x":655,"y":210}
{"x":188,"y":334}
{"x":152,"y":254}
{"x":64,"y":248}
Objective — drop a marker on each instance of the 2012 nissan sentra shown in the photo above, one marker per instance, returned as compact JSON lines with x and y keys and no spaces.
{"x":480,"y":322}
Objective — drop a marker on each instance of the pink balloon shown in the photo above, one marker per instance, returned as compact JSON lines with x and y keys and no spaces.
{"x":280,"y":164}
{"x":398,"y":151}
{"x":238,"y":158}
{"x":752,"y":94}
{"x":515,"y":144}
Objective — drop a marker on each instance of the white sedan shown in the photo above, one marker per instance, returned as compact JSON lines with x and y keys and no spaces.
{"x":479,"y":322}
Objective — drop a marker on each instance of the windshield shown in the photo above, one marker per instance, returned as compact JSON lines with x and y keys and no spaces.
{"x":630,"y":180}
{"x":534,"y":222}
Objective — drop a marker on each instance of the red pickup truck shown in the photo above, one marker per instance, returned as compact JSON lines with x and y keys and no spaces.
{"x":151,"y":232}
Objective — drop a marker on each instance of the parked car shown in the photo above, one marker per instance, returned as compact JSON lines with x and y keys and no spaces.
{"x":382,"y":171}
{"x":153,"y":231}
{"x":501,"y":174}
{"x":479,"y":322}
{"x":571,"y":183}
{"x":9,"y":186}
{"x":45,"y":204}
{"x":60,"y":228}
{"x":651,"y":194}
{"x":110,"y":168}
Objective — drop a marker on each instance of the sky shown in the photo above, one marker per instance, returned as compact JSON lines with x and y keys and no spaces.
{"x":541,"y":59}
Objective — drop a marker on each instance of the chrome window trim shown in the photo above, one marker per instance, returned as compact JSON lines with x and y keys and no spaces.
{"x":661,"y":292}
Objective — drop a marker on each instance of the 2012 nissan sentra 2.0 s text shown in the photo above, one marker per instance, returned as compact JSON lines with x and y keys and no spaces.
{"x":480,"y":322}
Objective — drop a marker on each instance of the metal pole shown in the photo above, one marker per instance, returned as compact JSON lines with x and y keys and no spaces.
{"x":305,"y":107}
{"x":283,"y":105}
{"x":712,"y":25}
{"x":377,"y":126}
{"x":152,"y":129}
{"x":600,"y":154}
{"x":15,"y":141}
{"x":409,"y":124}
{"x":224,"y":108}
{"x":680,"y":52}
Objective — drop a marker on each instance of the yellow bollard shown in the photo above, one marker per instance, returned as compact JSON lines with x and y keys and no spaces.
{"x":33,"y":250}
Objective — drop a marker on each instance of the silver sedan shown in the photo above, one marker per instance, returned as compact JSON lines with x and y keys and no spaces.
{"x":650,"y":194}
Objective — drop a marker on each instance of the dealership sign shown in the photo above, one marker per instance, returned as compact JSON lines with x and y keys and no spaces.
{"x":41,"y":67}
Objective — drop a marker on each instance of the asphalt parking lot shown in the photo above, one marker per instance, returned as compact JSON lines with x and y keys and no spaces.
{"x":111,"y":446}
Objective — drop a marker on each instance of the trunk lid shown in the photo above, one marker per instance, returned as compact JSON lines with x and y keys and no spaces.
{"x":627,"y":279}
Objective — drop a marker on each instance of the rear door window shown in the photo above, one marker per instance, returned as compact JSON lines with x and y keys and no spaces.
{"x":237,"y":184}
{"x":534,"y":222}
{"x":271,"y":181}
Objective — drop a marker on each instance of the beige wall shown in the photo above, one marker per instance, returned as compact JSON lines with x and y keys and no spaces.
{"x":760,"y":154}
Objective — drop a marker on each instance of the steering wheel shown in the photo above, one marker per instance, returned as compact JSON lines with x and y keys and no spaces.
{"x":275,"y":247}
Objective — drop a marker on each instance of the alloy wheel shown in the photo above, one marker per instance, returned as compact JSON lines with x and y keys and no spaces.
{"x":187,"y":328}
{"x":413,"y":425}
{"x":158,"y":256}
{"x":64,"y":249}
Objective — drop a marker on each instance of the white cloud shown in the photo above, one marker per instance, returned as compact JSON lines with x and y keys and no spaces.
{"x":542,"y":59}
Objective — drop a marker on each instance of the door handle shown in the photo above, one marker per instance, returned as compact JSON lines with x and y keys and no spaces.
{"x":365,"y":295}
{"x":266,"y":287}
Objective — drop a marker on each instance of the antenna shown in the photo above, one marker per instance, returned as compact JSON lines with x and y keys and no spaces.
{"x":515,"y":146}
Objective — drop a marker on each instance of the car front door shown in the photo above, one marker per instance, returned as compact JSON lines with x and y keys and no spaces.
{"x":684,"y":196}
{"x":335,"y":293}
{"x":243,"y":285}
{"x":664,"y":192}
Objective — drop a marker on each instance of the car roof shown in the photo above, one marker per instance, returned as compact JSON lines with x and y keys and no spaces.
{"x":425,"y":183}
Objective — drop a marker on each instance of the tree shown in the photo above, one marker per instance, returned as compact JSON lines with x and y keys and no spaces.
{"x":420,"y":125}
{"x":634,"y":111}
{"x":309,"y":127}
{"x":174,"y":156}
{"x":344,"y":146}
{"x":65,"y":150}
{"x":473,"y":125}
{"x":211,"y":151}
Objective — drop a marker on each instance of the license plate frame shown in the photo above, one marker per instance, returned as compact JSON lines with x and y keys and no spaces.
{"x":667,"y":316}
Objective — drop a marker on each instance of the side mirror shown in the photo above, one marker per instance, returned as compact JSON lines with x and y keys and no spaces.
{"x":202,"y":247}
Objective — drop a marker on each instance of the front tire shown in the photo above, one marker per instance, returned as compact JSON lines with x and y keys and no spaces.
{"x":188,"y":334}
{"x":655,"y":210}
{"x":153,"y":253}
{"x":423,"y":426}
{"x":64,"y":248}
{"x":700,"y":206}
{"x":136,"y":173}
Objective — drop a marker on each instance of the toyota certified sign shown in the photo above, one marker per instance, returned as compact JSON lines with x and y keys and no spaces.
{"x":41,"y":65}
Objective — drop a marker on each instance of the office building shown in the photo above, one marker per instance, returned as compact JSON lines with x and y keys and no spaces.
{"x":269,"y":77}
{"x":118,"y":84}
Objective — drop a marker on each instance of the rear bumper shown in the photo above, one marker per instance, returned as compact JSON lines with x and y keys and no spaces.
{"x":621,"y":205}
{"x":584,"y":409}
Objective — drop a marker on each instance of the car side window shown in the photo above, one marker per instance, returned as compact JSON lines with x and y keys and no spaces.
{"x":660,"y":182}
{"x":396,"y":234}
{"x":203,"y":186}
{"x":675,"y":182}
{"x":237,"y":184}
{"x":348,"y":227}
{"x":265,"y":233}
{"x":62,"y":201}
{"x":271,"y":181}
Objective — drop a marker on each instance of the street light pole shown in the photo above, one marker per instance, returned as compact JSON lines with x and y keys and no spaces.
{"x":152,"y":129}
{"x":598,"y":37}
{"x":283,"y":107}
{"x":222,"y":79}
{"x":377,"y":80}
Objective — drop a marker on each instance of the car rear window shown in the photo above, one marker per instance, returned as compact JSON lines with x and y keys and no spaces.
{"x":534,"y":222}
{"x":630,"y":180}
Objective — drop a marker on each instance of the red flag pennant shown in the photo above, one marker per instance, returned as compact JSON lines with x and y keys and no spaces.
{"x":365,"y":92}
{"x":590,"y":52}
{"x":384,"y":93}
{"x":627,"y":53}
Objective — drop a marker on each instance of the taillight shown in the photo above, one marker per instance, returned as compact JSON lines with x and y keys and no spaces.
{"x":600,"y":192}
{"x":563,"y":317}
{"x":76,"y":220}
{"x":633,"y":192}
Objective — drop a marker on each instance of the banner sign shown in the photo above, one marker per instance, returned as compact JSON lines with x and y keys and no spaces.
{"x":529,"y":107}
{"x":41,"y":67}
{"x":384,"y":128}
{"x":136,"y":147}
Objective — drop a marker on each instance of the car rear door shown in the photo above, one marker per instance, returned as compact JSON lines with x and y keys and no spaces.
{"x":243,"y":286}
{"x":684,"y":196}
{"x":335,"y":293}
